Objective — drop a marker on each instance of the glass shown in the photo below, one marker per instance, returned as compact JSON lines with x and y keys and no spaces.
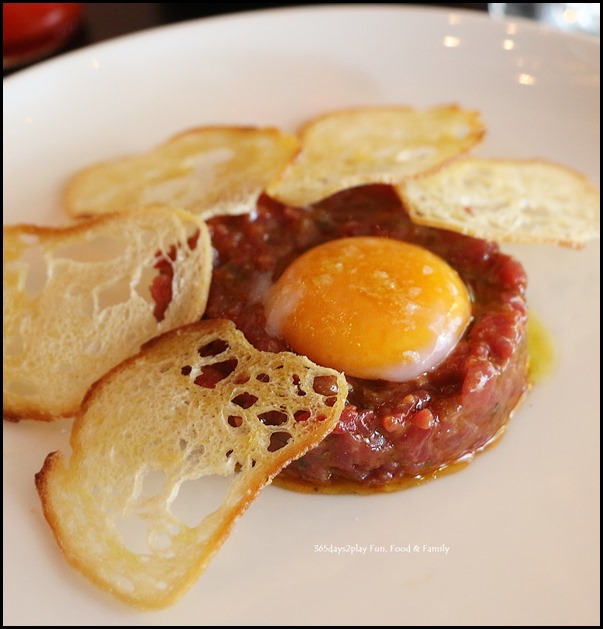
{"x":568,"y":16}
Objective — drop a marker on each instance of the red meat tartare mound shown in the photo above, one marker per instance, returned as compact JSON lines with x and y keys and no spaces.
{"x":388,"y":431}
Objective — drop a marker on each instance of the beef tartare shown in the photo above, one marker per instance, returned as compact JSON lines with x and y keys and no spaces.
{"x":388,"y":432}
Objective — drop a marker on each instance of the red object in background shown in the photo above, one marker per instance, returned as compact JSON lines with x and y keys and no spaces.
{"x":34,"y":30}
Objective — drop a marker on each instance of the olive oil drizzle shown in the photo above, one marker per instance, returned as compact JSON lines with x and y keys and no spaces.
{"x":541,"y":363}
{"x":541,"y":351}
{"x":404,"y":482}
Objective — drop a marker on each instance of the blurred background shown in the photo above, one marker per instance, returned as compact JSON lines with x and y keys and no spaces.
{"x":108,"y":19}
{"x":35,"y":31}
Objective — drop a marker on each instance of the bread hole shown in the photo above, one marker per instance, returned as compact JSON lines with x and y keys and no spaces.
{"x":144,"y":283}
{"x":229,"y":453}
{"x":101,"y":248}
{"x":160,"y":288}
{"x":199,"y":497}
{"x":195,"y":455}
{"x":263,"y":377}
{"x":278,"y":440}
{"x":183,"y":445}
{"x":155,"y":284}
{"x":14,"y":345}
{"x":174,"y":528}
{"x":242,"y":378}
{"x":330,"y":401}
{"x":216,"y":372}
{"x":325,"y":385}
{"x":186,"y":370}
{"x":214,"y":348}
{"x":164,"y":259}
{"x":133,"y":531}
{"x":118,"y":293}
{"x":22,"y":387}
{"x":152,"y":483}
{"x":193,"y":239}
{"x":36,"y":276}
{"x":297,"y":383}
{"x":302,"y":415}
{"x":245,"y":400}
{"x":235,"y":421}
{"x":273,"y":418}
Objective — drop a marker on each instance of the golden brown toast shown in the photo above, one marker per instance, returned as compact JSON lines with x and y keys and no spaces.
{"x":352,"y":147}
{"x":507,"y":200}
{"x":197,"y":401}
{"x":208,"y":171}
{"x":79,"y":300}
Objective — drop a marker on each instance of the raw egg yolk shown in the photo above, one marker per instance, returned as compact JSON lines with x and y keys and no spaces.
{"x":373,"y":308}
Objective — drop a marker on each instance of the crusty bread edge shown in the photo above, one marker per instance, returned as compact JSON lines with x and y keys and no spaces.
{"x":304,"y":128}
{"x":515,"y":238}
{"x":68,"y":185}
{"x":258,"y":481}
{"x":25,"y":412}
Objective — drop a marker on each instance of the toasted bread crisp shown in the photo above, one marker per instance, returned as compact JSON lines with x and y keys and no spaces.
{"x":198,"y":401}
{"x":353,"y":147}
{"x":79,"y":300}
{"x":507,"y":200}
{"x":209,"y":171}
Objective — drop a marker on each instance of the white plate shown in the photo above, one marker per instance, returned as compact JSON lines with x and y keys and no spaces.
{"x":521,"y":522}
